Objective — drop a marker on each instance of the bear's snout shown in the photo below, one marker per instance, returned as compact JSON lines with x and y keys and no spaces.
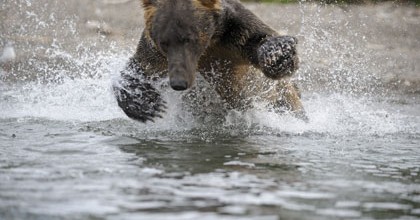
{"x":181,"y":71}
{"x":179,"y":77}
{"x":178,"y":83}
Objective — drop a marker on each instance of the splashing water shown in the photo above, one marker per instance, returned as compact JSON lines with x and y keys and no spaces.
{"x":67,"y":151}
{"x":75,"y":84}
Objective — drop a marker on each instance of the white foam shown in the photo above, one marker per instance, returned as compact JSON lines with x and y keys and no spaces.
{"x":91,"y":99}
{"x":334,"y":114}
{"x":85,"y":98}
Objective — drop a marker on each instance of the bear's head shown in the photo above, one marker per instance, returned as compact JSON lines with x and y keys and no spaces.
{"x":181,"y":30}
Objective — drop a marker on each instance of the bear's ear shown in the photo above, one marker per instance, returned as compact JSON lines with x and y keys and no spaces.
{"x":147,"y":3}
{"x":209,"y":4}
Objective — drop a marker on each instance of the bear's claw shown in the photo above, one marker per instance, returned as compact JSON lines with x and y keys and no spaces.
{"x":277,"y":57}
{"x":140,"y":101}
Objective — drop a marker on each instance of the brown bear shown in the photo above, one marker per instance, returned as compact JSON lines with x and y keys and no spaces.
{"x":222,"y":40}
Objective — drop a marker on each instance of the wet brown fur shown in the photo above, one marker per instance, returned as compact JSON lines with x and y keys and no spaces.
{"x":207,"y":4}
{"x":234,"y":75}
{"x":227,"y":63}
{"x":149,"y":12}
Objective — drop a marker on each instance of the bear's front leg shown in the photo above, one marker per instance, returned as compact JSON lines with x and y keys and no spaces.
{"x":277,"y":56}
{"x":138,"y":98}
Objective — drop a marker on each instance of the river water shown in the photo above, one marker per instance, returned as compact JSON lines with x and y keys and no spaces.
{"x":68,"y":152}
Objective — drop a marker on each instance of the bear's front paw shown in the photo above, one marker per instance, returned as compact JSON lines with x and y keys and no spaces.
{"x":277,"y":57}
{"x":140,"y":101}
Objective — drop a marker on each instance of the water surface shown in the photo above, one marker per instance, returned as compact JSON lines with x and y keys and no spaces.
{"x":68,"y":152}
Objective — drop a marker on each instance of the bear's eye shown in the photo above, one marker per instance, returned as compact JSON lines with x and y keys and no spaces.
{"x":164,"y":44}
{"x":185,"y":40}
{"x":188,"y":40}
